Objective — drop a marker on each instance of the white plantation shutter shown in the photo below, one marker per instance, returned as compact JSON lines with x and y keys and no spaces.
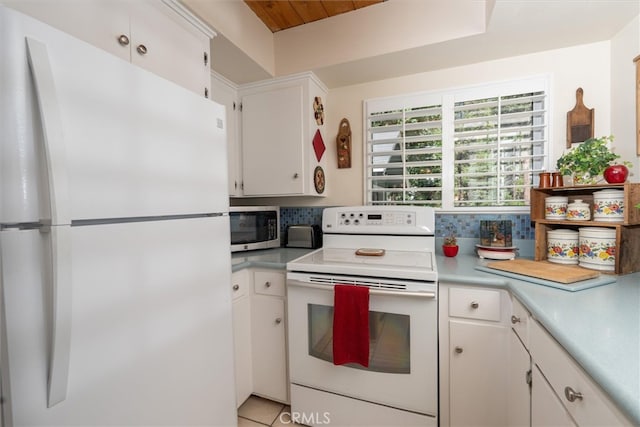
{"x":468,"y":148}
{"x":404,"y":153}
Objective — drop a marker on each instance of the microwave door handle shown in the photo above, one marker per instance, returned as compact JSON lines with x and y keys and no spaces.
{"x":427,"y":295}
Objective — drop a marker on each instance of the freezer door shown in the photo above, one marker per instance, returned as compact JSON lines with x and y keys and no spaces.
{"x":151,"y":337}
{"x":109,"y":138}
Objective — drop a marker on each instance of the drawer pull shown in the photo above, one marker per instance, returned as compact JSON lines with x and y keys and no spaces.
{"x":267,"y":284}
{"x":515,"y":319}
{"x":459,"y":350}
{"x":278,"y":320}
{"x":571,"y":394}
{"x":236,"y":287}
{"x":141,"y":49}
{"x":474,"y":304}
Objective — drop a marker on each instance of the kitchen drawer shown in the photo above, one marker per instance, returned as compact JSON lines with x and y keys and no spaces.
{"x":519,"y":320}
{"x":269,"y":283}
{"x":564,"y":374}
{"x":482,"y":304}
{"x":239,"y":284}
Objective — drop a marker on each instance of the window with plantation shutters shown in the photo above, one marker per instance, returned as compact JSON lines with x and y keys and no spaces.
{"x":404,"y":153}
{"x":473,"y":148}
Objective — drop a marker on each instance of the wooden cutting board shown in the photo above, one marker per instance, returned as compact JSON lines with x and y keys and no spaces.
{"x":580,"y":121}
{"x":545,"y":270}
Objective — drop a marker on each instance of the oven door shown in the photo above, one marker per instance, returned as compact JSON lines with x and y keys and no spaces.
{"x":403,"y":366}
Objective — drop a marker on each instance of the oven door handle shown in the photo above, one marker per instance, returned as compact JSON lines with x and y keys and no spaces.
{"x":427,"y":295}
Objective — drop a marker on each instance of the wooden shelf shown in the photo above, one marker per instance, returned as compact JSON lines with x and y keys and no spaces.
{"x":627,"y":231}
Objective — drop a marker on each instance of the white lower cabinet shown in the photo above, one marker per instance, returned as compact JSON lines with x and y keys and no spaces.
{"x":568,"y":384}
{"x":269,"y":348}
{"x":259,"y":325}
{"x":500,"y":367}
{"x":473,"y":340}
{"x":241,"y":309}
{"x":547,"y":408}
{"x":519,"y":383}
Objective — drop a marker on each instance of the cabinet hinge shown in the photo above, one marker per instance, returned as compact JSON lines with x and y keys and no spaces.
{"x":206,"y":92}
{"x":234,"y":106}
{"x":241,"y":106}
{"x":529,"y":378}
{"x":206,"y":58}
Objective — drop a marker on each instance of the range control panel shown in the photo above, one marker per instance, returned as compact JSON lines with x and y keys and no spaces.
{"x":379,"y":220}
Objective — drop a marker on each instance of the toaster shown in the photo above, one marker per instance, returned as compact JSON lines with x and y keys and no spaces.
{"x":304,"y":236}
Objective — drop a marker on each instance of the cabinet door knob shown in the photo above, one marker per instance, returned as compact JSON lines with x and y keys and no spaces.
{"x":267,"y":284}
{"x":278,"y":320}
{"x":475,"y":304}
{"x":123,"y":40}
{"x":236,"y":287}
{"x":459,"y":350}
{"x":571,"y":394}
{"x":142,"y":49}
{"x":515,"y":319}
{"x":295,"y":175}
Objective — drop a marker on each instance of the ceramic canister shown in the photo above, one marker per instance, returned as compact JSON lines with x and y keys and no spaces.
{"x":562,"y":246}
{"x":597,"y":248}
{"x":578,"y":211}
{"x":555,"y":207}
{"x":608,"y":205}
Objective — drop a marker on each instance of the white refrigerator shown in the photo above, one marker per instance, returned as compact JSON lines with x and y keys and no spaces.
{"x":115,"y":305}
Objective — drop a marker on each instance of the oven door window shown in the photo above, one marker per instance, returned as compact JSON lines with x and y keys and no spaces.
{"x":389,"y":345}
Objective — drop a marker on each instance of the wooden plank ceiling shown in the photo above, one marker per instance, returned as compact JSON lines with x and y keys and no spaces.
{"x":279,"y":15}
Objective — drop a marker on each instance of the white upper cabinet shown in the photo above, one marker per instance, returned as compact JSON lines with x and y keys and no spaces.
{"x":160,"y":36}
{"x":226,"y":93}
{"x":279,"y":125}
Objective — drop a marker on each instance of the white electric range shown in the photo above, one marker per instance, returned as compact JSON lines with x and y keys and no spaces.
{"x":389,"y":249}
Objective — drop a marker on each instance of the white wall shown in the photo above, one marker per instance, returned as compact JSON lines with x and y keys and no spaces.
{"x":587,"y":66}
{"x":625,"y":46}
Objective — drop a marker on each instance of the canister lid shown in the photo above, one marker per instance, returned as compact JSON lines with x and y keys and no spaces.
{"x":556,"y":199}
{"x":598,"y":232}
{"x":608,"y":194}
{"x":562,"y":233}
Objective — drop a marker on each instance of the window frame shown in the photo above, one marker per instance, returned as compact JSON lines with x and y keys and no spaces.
{"x":447,"y":98}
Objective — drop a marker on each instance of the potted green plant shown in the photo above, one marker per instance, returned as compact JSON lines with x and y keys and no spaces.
{"x":587,"y":162}
{"x":450,"y":245}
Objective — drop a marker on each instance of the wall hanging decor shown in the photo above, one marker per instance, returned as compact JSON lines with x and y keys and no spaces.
{"x":343,"y":141}
{"x":580,"y":121}
{"x":318,"y":145}
{"x":319,"y":179}
{"x":318,"y":110}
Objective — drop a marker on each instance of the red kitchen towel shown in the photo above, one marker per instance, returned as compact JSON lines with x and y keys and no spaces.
{"x":351,"y":325}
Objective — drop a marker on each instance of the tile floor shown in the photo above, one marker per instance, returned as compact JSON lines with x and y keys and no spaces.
{"x":257,"y":411}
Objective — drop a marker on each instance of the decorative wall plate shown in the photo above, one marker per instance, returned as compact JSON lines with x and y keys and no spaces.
{"x":318,"y":179}
{"x":318,"y":110}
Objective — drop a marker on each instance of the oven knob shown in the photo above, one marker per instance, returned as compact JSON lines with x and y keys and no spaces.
{"x":356,"y":221}
{"x":347,"y":222}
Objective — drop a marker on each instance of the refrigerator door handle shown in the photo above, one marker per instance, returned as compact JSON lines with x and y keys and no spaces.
{"x":61,"y":315}
{"x":52,"y":129}
{"x":54,"y":150}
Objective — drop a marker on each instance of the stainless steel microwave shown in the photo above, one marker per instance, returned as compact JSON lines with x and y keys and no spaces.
{"x":254,"y":227}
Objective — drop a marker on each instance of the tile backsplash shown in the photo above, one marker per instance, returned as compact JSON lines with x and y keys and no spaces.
{"x":464,"y":225}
